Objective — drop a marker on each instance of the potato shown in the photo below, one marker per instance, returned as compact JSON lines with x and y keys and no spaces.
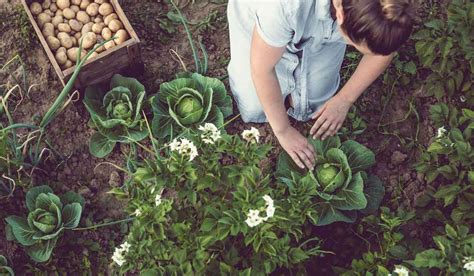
{"x":100,"y":49}
{"x":43,"y":18}
{"x":46,"y":4}
{"x":106,"y":33}
{"x":109,"y":18}
{"x":94,"y":54}
{"x":62,"y":4}
{"x":93,"y":9}
{"x":78,"y":36}
{"x":87,"y":28}
{"x":58,"y":19}
{"x":48,"y":29}
{"x":115,"y":25}
{"x":65,"y":40}
{"x":98,"y":20}
{"x":109,"y":45}
{"x":68,"y":64}
{"x":61,"y":57}
{"x":75,"y":8}
{"x":89,"y":40}
{"x":68,"y":13}
{"x":61,"y":49}
{"x":53,"y":42}
{"x":53,"y":7}
{"x":84,"y":4}
{"x":36,"y":8}
{"x":72,"y":54}
{"x":75,"y":25}
{"x":63,"y":27}
{"x":48,"y":12}
{"x":83,"y":17}
{"x":122,"y":36}
{"x":97,"y":27}
{"x":74,"y":41}
{"x":59,"y":13}
{"x":99,"y":1}
{"x":106,"y":9}
{"x":76,"y":2}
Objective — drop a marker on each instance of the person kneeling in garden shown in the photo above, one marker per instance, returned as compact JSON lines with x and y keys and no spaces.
{"x":286,"y":56}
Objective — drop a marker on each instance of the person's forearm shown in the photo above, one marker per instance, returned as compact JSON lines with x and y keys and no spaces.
{"x":269,"y":93}
{"x":368,"y":70}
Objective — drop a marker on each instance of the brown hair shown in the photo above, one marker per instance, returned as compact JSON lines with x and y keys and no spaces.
{"x":384,"y":25}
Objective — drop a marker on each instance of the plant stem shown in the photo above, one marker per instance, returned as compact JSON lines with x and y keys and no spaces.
{"x":103,"y":224}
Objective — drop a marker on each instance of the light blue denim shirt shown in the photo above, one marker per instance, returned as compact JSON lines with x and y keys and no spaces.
{"x":308,"y":70}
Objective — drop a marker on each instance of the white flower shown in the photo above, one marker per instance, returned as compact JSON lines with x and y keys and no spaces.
{"x":401,"y":270}
{"x":174,"y":145}
{"x":253,"y":218}
{"x":270,"y":208}
{"x":469,"y":264}
{"x":184,"y":147}
{"x":137,"y":213}
{"x":157,"y":199}
{"x":441,"y":132}
{"x":210,"y":133}
{"x":251,"y":135}
{"x":462,"y":99}
{"x":119,"y":254}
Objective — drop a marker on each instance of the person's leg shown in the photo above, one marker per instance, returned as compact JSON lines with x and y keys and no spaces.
{"x":323,"y":75}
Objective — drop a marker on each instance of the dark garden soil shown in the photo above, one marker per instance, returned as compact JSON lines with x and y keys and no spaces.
{"x":69,"y":166}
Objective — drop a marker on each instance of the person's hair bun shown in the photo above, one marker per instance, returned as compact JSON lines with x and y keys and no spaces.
{"x":400,"y":11}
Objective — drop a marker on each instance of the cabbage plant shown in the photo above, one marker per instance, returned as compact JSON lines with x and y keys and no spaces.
{"x":116,"y":114}
{"x":189,"y":102}
{"x":48,"y":216}
{"x":339,"y":182}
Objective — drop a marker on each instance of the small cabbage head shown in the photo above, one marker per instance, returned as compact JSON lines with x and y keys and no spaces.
{"x":330,"y":176}
{"x":189,"y":102}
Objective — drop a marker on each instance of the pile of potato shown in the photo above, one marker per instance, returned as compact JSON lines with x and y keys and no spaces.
{"x":65,"y":22}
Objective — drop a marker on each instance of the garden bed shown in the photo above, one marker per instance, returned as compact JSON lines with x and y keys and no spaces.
{"x":397,"y":119}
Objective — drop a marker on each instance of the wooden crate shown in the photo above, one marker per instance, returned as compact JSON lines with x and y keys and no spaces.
{"x":101,"y":67}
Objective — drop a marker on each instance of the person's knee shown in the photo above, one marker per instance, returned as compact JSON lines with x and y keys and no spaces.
{"x":252,"y":113}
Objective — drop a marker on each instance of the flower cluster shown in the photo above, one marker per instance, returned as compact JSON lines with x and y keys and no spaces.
{"x":469,"y":263}
{"x":137,"y":213}
{"x":119,"y":254}
{"x":251,"y":135}
{"x":210,"y":133}
{"x":158,"y":200}
{"x":441,"y":132}
{"x":254,"y":218}
{"x":184,"y":147}
{"x":400,"y":270}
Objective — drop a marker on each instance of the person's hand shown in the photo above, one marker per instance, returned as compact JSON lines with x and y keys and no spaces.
{"x":330,"y":117}
{"x":297,"y":146}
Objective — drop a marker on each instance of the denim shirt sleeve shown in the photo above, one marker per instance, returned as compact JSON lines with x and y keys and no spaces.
{"x":274,"y":22}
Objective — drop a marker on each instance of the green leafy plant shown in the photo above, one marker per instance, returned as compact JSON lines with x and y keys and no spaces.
{"x":48,"y":216}
{"x":189,"y":102}
{"x":5,"y":270}
{"x":204,"y":207}
{"x":445,"y":49}
{"x":453,"y":254}
{"x":391,"y":245}
{"x":116,"y":114}
{"x":448,"y":164}
{"x":339,"y":182}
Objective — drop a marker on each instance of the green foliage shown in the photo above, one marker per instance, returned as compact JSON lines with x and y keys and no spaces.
{"x":189,"y":102}
{"x":386,"y":229}
{"x":5,"y":270}
{"x":48,"y":216}
{"x":193,"y":216}
{"x":446,"y":49}
{"x":453,"y":250}
{"x":339,"y":184}
{"x":354,"y":125}
{"x":449,"y":162}
{"x":116,"y":114}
